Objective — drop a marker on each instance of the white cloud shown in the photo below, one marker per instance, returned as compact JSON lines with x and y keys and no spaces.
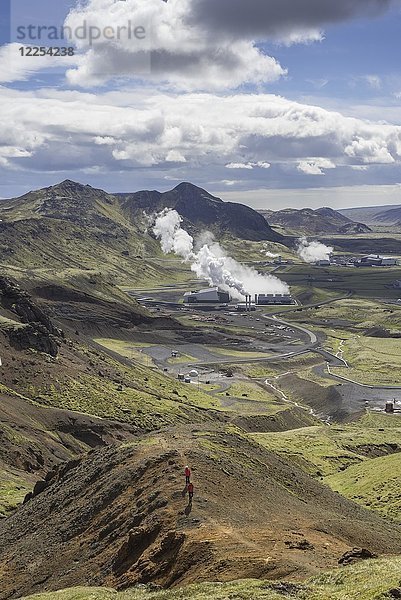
{"x":229,"y":182}
{"x":202,"y":44}
{"x":175,"y":156}
{"x":172,"y":51}
{"x":376,"y":151}
{"x":374,"y":81}
{"x":315,"y":166}
{"x":249,"y":166}
{"x":69,"y":130}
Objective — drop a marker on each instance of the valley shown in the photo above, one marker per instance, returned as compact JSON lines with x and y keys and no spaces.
{"x":110,"y":384}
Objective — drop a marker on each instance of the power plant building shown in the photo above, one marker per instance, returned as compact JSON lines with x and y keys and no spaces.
{"x":208,"y":296}
{"x":268,"y":299}
{"x":374,"y":260}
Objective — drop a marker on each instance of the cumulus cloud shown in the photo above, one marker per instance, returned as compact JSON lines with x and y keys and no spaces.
{"x":202,"y":44}
{"x":172,"y":51}
{"x":315,"y":166}
{"x":136,"y":129}
{"x":249,"y":166}
{"x":193,"y":45}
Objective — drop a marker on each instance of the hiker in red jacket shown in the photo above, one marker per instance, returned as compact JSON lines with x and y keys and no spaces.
{"x":187,"y":474}
{"x":190,"y":492}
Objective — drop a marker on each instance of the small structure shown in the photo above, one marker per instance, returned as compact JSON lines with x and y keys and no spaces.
{"x":181,"y":376}
{"x":389,"y":407}
{"x":245,"y":307}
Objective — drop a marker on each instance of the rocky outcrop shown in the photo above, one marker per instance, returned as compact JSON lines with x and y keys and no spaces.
{"x":36,"y":337}
{"x":13,"y":298}
{"x":39,"y":333}
{"x":356,"y":554}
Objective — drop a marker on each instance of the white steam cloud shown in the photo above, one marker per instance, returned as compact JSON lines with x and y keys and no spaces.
{"x":267,"y":252}
{"x":311,"y":252}
{"x":210,"y":262}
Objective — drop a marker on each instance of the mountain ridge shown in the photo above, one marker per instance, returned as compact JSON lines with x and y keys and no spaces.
{"x":308,"y":221}
{"x":198,"y":207}
{"x":254,"y":515}
{"x":375,"y":215}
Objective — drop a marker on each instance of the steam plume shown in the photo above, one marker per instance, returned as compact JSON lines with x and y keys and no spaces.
{"x":311,"y":252}
{"x":267,"y":252}
{"x":210,"y":262}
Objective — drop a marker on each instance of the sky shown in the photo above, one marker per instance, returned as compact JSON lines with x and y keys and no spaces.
{"x":272,"y":103}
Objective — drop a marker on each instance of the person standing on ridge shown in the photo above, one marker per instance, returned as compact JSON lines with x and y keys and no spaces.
{"x":187,"y":475}
{"x":190,"y":492}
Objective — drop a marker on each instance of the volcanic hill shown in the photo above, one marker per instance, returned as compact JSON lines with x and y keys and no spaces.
{"x":313,"y":222}
{"x":119,"y":516}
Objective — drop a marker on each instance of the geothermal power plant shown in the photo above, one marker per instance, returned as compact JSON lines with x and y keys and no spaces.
{"x":217,"y":296}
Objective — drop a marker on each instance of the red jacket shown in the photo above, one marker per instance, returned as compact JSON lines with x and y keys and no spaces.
{"x":187,"y":472}
{"x":191,"y":488}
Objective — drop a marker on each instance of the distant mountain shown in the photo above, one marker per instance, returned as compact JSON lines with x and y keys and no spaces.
{"x":201,"y":210}
{"x":390,"y":217}
{"x":375,"y":215}
{"x":313,"y":222}
{"x":73,"y":226}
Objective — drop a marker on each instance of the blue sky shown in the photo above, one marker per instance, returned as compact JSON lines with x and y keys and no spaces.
{"x":278,"y":110}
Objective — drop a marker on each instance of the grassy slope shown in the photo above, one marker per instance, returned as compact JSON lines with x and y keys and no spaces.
{"x":148,"y":396}
{"x":326,"y":450}
{"x":349,"y":458}
{"x":374,"y":484}
{"x":13,"y":489}
{"x":368,"y":580}
{"x":372,"y":360}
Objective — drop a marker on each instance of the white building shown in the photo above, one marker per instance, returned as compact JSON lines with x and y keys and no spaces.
{"x":387,"y":261}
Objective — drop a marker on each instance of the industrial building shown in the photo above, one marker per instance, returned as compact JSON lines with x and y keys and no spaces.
{"x":208,"y":296}
{"x":267,"y":299}
{"x":264,"y":300}
{"x":323,"y":263}
{"x":375,"y":260}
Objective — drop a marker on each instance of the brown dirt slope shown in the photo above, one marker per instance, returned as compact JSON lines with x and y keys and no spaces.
{"x":120,"y":517}
{"x":33,"y":439}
